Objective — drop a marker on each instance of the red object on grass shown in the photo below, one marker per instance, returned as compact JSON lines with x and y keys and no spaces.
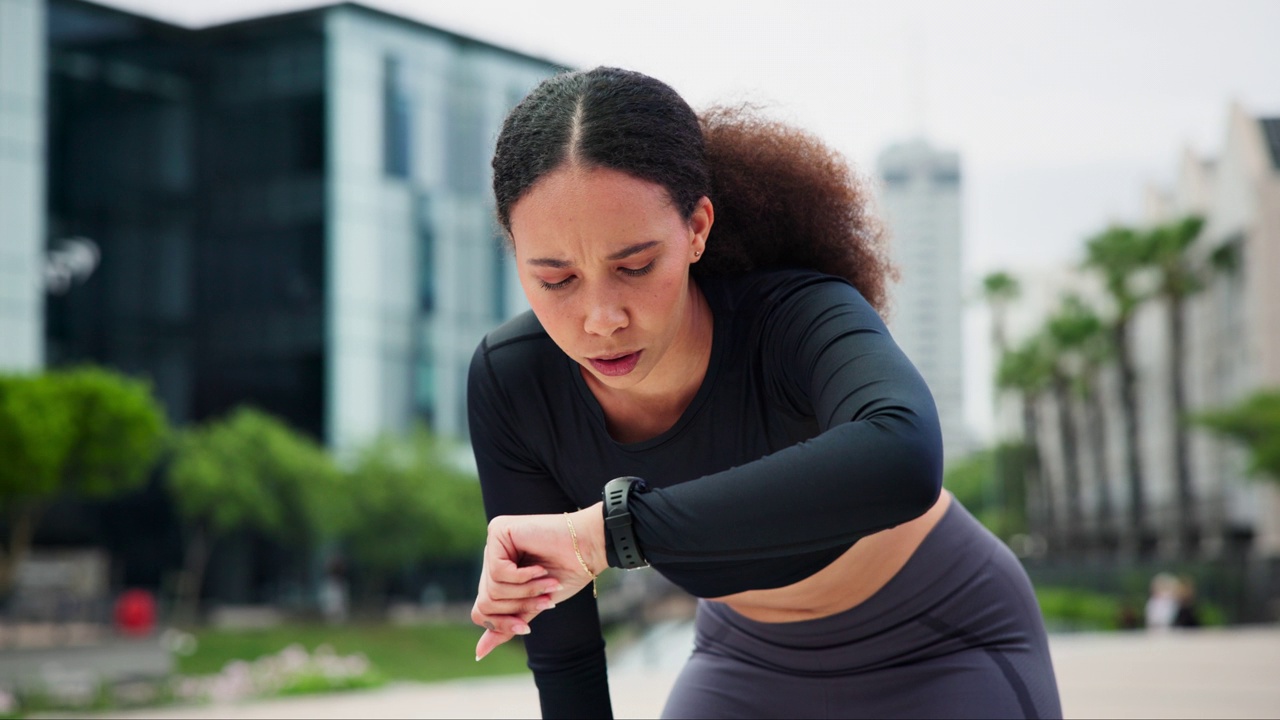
{"x":135,"y":612}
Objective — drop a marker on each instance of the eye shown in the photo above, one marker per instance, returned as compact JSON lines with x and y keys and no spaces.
{"x":637,"y":272}
{"x":555,"y":285}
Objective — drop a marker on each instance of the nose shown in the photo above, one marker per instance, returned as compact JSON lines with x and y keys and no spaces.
{"x":605,"y":315}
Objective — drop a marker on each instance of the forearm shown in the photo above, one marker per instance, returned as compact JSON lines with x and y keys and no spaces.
{"x":854,"y":480}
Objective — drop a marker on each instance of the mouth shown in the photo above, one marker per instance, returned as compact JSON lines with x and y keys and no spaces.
{"x":615,"y":365}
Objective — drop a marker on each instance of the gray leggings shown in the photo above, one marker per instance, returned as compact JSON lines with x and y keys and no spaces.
{"x":956,"y":633}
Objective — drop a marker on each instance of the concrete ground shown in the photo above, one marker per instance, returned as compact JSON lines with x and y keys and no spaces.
{"x":1201,"y":674}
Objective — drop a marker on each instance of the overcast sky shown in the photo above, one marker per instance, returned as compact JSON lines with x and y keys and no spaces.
{"x":1062,"y":112}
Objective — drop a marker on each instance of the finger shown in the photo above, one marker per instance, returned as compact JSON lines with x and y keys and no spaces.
{"x":508,"y":591}
{"x":488,"y":641}
{"x":503,"y":566}
{"x":513,"y":624}
{"x":528,"y":608}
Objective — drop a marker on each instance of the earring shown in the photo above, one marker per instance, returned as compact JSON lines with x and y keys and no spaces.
{"x":697,"y":253}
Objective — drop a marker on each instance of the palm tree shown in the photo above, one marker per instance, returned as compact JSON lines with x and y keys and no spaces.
{"x":999,"y":290}
{"x":1118,"y":254}
{"x":1085,"y":346}
{"x":1063,"y":370}
{"x":1025,"y":370}
{"x":1167,"y":247}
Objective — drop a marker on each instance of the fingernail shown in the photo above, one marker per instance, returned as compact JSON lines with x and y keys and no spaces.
{"x":557,"y":588}
{"x":477,"y":658}
{"x":546,"y":605}
{"x":521,"y":629}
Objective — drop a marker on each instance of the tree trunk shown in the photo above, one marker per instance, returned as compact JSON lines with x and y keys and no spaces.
{"x":1188,"y":530}
{"x":1039,"y":499}
{"x":1139,"y":540}
{"x":1098,"y":439}
{"x":22,"y":527}
{"x":1070,"y":461}
{"x":187,"y":610}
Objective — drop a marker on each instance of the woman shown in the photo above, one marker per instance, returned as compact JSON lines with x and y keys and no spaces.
{"x":776,"y":455}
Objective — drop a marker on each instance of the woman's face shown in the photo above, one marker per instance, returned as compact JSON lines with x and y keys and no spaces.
{"x":604,"y":261}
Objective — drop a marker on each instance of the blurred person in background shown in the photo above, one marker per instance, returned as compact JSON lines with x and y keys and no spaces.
{"x":1162,"y":605}
{"x":773,"y":452}
{"x":1188,"y":613}
{"x":334,"y":592}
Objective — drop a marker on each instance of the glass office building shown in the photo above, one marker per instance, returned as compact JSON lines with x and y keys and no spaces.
{"x":293,"y":212}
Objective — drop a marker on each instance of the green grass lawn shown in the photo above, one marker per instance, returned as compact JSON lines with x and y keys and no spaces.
{"x":423,"y":653}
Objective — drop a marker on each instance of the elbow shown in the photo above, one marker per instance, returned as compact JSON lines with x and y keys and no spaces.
{"x":917,"y":475}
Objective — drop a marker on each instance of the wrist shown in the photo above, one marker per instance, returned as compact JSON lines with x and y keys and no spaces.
{"x":589,"y":523}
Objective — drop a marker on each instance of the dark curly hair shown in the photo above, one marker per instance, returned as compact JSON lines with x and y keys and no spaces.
{"x":783,"y":199}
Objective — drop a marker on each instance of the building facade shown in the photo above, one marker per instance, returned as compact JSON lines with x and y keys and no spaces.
{"x":22,"y":143}
{"x":293,"y":212}
{"x":921,"y":200}
{"x":1233,"y":329}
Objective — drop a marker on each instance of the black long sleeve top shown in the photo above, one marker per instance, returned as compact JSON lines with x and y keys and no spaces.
{"x":811,"y":429}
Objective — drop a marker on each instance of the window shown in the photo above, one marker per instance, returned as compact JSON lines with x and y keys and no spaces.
{"x":397,"y":120}
{"x":426,"y":231}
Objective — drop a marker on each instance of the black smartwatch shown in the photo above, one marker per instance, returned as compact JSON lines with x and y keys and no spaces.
{"x":620,"y":542}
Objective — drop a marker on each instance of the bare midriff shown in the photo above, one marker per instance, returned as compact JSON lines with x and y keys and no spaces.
{"x":849,"y":581}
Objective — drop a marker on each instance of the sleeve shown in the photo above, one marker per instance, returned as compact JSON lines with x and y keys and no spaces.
{"x":876,"y":462}
{"x":565,"y":645}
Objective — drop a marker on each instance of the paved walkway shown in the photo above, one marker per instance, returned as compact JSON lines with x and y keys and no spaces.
{"x":1204,"y":674}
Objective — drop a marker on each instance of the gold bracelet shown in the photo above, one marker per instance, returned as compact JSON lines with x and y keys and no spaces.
{"x":574,"y":535}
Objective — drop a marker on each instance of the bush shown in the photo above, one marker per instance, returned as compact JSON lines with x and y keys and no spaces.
{"x":1071,"y":609}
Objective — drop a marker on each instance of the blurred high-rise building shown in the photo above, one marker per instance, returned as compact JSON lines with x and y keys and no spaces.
{"x":22,"y":235}
{"x":293,"y":212}
{"x":920,"y":198}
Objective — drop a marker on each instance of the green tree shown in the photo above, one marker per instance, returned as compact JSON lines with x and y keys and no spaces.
{"x":408,"y":504}
{"x":1167,"y":248}
{"x":1027,"y":370}
{"x":84,"y":432}
{"x":970,"y":479}
{"x":1120,"y":255}
{"x":999,"y":291}
{"x":1255,"y":423}
{"x":1083,"y":346}
{"x":250,"y":471}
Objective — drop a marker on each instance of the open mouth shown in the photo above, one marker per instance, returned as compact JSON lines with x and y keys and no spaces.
{"x":615,"y":365}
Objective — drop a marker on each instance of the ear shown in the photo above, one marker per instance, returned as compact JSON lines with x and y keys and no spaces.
{"x":700,"y":222}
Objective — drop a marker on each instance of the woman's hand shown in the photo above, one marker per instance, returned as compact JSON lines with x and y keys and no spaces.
{"x":529,"y":566}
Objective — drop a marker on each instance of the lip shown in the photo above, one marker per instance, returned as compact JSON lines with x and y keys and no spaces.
{"x":615,"y":365}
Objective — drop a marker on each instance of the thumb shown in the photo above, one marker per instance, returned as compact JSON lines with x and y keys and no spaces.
{"x":490,"y":640}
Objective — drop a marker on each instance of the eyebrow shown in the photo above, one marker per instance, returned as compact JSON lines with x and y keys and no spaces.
{"x":620,"y":255}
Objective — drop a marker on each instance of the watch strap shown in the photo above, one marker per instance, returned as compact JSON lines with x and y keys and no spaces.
{"x":621,"y":547}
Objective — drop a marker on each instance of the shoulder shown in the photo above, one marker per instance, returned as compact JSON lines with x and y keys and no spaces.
{"x":782,"y":294}
{"x":516,"y":342}
{"x":521,"y":333}
{"x":514,"y":353}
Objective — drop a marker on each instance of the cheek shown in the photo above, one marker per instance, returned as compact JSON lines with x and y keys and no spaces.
{"x":551,"y":314}
{"x":668,"y":294}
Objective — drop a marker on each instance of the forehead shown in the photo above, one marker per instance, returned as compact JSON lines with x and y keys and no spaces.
{"x":573,"y":204}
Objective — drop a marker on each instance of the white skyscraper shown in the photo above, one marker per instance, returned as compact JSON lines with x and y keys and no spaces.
{"x":921,"y":203}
